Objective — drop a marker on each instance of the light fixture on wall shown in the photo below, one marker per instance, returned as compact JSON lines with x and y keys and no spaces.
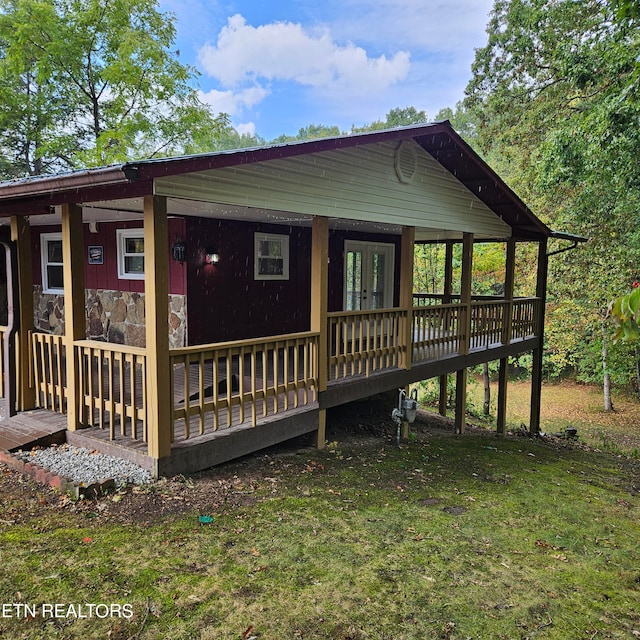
{"x":211,"y":256}
{"x":179,"y":251}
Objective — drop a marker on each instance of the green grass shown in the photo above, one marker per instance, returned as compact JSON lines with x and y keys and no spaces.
{"x":447,"y":537}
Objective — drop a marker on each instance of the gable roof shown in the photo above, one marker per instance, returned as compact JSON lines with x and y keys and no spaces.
{"x":37,"y":195}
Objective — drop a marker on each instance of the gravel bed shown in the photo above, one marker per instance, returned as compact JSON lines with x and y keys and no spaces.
{"x":84,"y":466}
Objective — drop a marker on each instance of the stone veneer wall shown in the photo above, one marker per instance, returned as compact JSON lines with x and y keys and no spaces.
{"x":112,"y":316}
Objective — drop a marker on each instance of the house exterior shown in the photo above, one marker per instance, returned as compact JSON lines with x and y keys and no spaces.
{"x":184,"y":311}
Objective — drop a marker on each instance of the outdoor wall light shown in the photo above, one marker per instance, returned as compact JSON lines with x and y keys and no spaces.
{"x":212,"y":256}
{"x":179,"y":251}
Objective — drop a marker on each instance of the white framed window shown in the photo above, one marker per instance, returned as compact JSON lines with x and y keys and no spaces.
{"x":130,"y":244}
{"x":51,"y":261}
{"x":271,"y":256}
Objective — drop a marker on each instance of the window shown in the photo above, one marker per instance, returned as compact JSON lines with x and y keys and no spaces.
{"x":51,"y":260}
{"x":271,"y":256}
{"x":130,"y":254}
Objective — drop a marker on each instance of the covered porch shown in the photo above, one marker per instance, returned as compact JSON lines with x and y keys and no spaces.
{"x":181,"y":409}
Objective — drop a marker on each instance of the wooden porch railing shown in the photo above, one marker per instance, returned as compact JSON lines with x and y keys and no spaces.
{"x":526,"y":316}
{"x":227,"y":383}
{"x":361,"y":342}
{"x":113,"y":387}
{"x":233,"y":383}
{"x":438,"y":331}
{"x":487,"y":323}
{"x":49,"y":374}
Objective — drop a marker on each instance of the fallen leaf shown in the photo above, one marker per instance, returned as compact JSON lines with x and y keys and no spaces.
{"x":254,"y":552}
{"x":247,"y":632}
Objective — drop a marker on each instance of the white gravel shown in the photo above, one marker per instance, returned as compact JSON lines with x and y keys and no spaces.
{"x":84,"y":466}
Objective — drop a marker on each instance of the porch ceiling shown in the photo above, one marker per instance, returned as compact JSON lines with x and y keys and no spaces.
{"x":132,"y":209}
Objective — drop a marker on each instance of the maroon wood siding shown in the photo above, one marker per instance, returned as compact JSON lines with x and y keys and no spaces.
{"x":225,"y":301}
{"x":105,"y":276}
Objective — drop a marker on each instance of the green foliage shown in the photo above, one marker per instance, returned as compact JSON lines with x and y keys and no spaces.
{"x":85,"y":84}
{"x":556,"y":117}
{"x":625,"y":313}
{"x":397,"y":117}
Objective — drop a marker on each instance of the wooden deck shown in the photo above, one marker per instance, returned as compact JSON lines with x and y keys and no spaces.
{"x":230,"y":399}
{"x":36,"y":427}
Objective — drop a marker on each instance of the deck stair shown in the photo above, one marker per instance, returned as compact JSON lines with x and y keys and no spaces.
{"x":32,"y":428}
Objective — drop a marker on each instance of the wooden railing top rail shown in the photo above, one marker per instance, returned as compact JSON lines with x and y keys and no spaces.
{"x":435,"y":307}
{"x":363,"y":312}
{"x":231,"y":344}
{"x":456,"y":296}
{"x":110,"y":346}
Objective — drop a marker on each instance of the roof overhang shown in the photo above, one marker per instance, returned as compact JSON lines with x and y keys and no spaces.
{"x":38,"y":195}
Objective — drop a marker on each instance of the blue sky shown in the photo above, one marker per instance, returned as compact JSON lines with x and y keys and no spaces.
{"x":278,"y":65}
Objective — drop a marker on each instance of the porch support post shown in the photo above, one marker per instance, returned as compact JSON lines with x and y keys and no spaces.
{"x":446,"y":299}
{"x":156,"y":296}
{"x":406,"y":294}
{"x":319,"y":309}
{"x":21,"y":236}
{"x":74,"y":309}
{"x":536,"y":376}
{"x":503,"y":375}
{"x":465,"y":299}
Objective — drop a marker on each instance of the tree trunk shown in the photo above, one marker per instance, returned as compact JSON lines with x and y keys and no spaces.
{"x":606,"y":378}
{"x":637,"y":354}
{"x":486,"y":407}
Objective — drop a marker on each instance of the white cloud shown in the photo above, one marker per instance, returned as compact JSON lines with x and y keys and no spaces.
{"x":234,"y":102}
{"x":283,"y":51}
{"x":246,"y":127}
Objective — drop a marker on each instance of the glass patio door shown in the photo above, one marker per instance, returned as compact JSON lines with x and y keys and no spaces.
{"x":368,"y":276}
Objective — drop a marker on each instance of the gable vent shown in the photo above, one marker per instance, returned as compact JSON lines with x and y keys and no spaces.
{"x":406,"y":162}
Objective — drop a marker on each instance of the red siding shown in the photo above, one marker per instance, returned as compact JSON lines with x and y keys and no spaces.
{"x":225,"y":302}
{"x":105,"y":276}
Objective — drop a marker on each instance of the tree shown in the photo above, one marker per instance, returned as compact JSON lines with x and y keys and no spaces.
{"x":397,"y":117}
{"x":310,"y":132}
{"x":551,"y":95}
{"x":88,"y":82}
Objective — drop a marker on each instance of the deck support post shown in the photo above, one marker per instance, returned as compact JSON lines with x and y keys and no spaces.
{"x":465,"y":299}
{"x":446,"y":299}
{"x":74,"y":311}
{"x":25,"y":393}
{"x":156,"y":275}
{"x":536,"y":375}
{"x":503,"y":375}
{"x":406,"y":294}
{"x":319,"y":309}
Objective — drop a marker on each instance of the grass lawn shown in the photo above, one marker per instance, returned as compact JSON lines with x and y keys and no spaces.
{"x":569,"y":404}
{"x":447,"y":537}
